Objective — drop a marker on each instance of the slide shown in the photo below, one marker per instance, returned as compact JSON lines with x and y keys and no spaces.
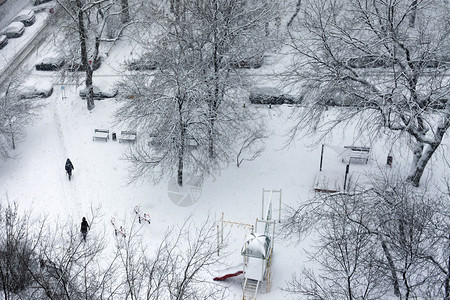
{"x":227,"y":276}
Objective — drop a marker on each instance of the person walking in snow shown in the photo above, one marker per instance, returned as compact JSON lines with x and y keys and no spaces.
{"x":84,"y":228}
{"x":69,"y":167}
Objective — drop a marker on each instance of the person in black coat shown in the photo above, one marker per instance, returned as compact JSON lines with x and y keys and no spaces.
{"x":69,"y":167}
{"x":84,"y":228}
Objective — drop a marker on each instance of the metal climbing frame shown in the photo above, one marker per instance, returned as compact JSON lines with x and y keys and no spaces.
{"x":267,"y":233}
{"x":267,"y":205}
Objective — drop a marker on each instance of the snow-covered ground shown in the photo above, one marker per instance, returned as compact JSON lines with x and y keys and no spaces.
{"x":36,"y":179}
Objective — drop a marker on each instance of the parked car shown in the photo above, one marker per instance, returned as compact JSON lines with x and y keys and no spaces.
{"x":36,"y":89}
{"x":143,"y":63}
{"x":100,"y":93}
{"x":270,"y":95}
{"x":370,"y":61}
{"x":3,"y":40}
{"x":26,"y":16}
{"x":75,"y":66}
{"x":39,"y":2}
{"x":50,"y":63}
{"x":14,"y":30}
{"x":248,"y":63}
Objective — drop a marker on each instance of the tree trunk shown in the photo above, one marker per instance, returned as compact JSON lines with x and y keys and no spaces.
{"x":412,"y":16}
{"x":90,"y":89}
{"x":447,"y":277}
{"x":420,"y":162}
{"x":391,"y":265}
{"x":297,"y":9}
{"x":180,"y":171}
{"x":125,"y":14}
{"x":214,"y":102}
{"x":84,"y":56}
{"x":181,"y":147}
{"x":12,"y":136}
{"x":421,"y":157}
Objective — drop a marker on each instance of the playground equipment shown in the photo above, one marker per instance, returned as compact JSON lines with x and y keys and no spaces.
{"x":228,"y":276}
{"x":220,"y":229}
{"x":258,"y":248}
{"x":224,"y":223}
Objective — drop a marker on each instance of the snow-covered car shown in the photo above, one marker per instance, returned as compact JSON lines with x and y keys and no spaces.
{"x":143,"y":63}
{"x":3,"y":40}
{"x":14,"y":30}
{"x":39,"y":2}
{"x":100,"y":93}
{"x":74,"y":66}
{"x":248,"y":63}
{"x":25,"y":16}
{"x":369,"y":61}
{"x":36,"y":89}
{"x":50,"y":63}
{"x":270,"y":95}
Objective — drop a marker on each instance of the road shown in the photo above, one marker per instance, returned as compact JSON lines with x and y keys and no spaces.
{"x":10,"y":8}
{"x":17,"y":50}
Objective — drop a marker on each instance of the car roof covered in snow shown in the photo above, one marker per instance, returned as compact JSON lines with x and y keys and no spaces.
{"x":14,"y":26}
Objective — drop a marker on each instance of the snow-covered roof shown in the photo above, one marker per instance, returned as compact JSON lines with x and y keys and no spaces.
{"x":257,"y":245}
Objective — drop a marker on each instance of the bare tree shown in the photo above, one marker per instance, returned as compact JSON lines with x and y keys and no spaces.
{"x":180,"y":266}
{"x":16,"y":252}
{"x":89,"y":21}
{"x":191,"y":107}
{"x":15,"y":113}
{"x":165,"y":109}
{"x":52,"y":261}
{"x":232,"y":32}
{"x":391,"y":239}
{"x":70,"y":268}
{"x":252,"y":146}
{"x":365,"y":55}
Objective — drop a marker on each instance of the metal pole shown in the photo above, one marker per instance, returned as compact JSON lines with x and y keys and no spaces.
{"x":321,"y":157}
{"x":221,"y":224}
{"x":218,"y":240}
{"x":273,"y":236}
{"x":279,"y":210}
{"x":262,"y":206}
{"x":345,"y":177}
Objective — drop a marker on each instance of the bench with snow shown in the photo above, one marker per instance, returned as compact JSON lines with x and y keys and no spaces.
{"x":358,"y":154}
{"x":127,"y":136}
{"x":101,"y":134}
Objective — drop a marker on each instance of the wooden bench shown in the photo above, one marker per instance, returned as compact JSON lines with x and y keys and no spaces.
{"x":101,"y":134}
{"x":127,"y":136}
{"x":358,"y":154}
